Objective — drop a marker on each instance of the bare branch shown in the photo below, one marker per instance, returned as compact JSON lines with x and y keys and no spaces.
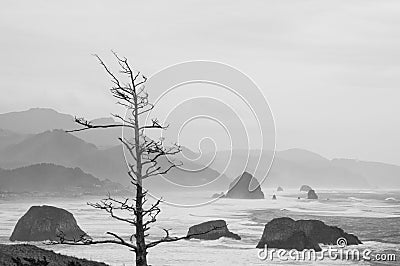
{"x":82,"y":241}
{"x":114,"y":78}
{"x":168,"y":238}
{"x":88,"y":125}
{"x":108,"y":206}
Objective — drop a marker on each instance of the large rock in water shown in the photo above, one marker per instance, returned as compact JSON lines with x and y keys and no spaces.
{"x":287,"y":233}
{"x":312,"y":195}
{"x":46,"y":223}
{"x":211,"y":230}
{"x":305,"y":188}
{"x":245,"y":187}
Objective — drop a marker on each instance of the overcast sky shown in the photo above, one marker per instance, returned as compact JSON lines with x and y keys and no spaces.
{"x":329,"y":69}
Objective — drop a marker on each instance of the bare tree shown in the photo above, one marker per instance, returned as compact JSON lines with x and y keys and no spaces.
{"x":145,"y":153}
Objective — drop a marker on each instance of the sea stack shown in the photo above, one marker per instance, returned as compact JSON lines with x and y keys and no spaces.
{"x":305,"y":188}
{"x":312,"y":195}
{"x":42,"y":223}
{"x":245,"y":187}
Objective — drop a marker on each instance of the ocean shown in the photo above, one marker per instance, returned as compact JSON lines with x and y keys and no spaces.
{"x":374,"y":216}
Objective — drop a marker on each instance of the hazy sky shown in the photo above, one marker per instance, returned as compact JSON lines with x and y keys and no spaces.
{"x":329,"y":69}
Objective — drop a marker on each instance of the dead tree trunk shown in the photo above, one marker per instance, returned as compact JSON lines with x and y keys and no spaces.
{"x":141,"y":252}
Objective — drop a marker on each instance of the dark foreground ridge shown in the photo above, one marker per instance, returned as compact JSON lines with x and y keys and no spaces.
{"x":286,"y":233}
{"x":26,"y":254}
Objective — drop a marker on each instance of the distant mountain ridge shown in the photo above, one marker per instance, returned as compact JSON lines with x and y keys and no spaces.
{"x":38,"y":120}
{"x":62,"y":148}
{"x":53,"y":178}
{"x":8,"y":137}
{"x":294,"y":167}
{"x":51,"y":144}
{"x":31,"y":136}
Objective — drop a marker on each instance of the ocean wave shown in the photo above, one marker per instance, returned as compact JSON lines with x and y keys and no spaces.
{"x":392,"y":199}
{"x":356,"y":199}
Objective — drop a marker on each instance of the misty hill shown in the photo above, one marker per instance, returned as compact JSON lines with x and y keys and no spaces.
{"x":24,"y":142}
{"x":61,"y":148}
{"x":300,"y":156}
{"x":340,"y":172}
{"x":37,"y":120}
{"x":294,"y":167}
{"x":186,"y":175}
{"x":51,"y":146}
{"x":53,"y":178}
{"x":380,"y":175}
{"x":8,"y":137}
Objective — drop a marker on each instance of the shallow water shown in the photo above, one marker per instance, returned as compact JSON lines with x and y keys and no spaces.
{"x":371,"y":215}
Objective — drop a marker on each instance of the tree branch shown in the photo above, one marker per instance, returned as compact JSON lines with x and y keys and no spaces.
{"x":167,"y":238}
{"x":82,"y":241}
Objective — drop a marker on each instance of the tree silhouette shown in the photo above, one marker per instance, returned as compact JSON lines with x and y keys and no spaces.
{"x":145,"y":153}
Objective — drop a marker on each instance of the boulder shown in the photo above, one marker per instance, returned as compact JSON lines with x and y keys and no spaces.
{"x":287,"y":233}
{"x":245,"y":187}
{"x":280,"y":189}
{"x":42,"y":223}
{"x":305,"y":188}
{"x":312,"y":195}
{"x":274,"y":197}
{"x":211,"y":230}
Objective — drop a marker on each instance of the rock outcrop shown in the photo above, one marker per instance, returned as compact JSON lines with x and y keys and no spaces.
{"x":305,"y":188}
{"x":280,"y":189}
{"x":245,"y":187}
{"x":312,"y":195}
{"x":46,"y":223}
{"x":218,"y":195}
{"x":211,"y":230}
{"x":287,"y":233}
